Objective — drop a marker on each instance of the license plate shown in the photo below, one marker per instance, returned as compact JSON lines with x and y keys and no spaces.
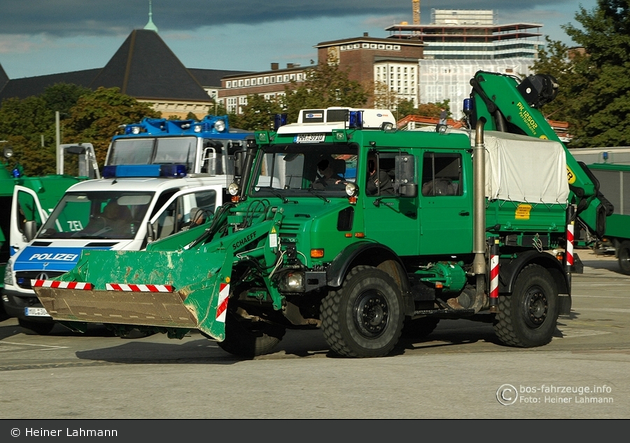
{"x":309,"y":138}
{"x":36,"y":312}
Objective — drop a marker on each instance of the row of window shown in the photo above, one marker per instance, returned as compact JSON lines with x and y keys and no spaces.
{"x":370,"y":46}
{"x":264,"y":80}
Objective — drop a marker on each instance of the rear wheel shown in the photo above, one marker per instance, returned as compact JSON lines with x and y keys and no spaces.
{"x":36,"y":327}
{"x":247,"y":339}
{"x":623,"y":254}
{"x":364,"y":318}
{"x":528,"y":316}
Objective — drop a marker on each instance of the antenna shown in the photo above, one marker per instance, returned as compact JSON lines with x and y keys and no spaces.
{"x":150,"y":25}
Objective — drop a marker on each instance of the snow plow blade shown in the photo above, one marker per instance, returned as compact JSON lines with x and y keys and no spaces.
{"x":170,"y":289}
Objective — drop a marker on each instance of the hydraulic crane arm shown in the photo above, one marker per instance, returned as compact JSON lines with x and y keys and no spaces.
{"x":509,"y":105}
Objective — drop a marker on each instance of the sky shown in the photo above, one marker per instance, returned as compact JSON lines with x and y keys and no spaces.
{"x":40,"y":37}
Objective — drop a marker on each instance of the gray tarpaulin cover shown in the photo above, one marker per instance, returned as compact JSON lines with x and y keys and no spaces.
{"x":525,"y":169}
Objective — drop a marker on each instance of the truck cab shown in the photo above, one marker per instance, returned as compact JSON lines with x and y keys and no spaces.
{"x":28,"y":201}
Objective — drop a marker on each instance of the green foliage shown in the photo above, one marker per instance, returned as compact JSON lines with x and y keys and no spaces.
{"x":97,"y":116}
{"x":257,"y":114}
{"x":326,"y":85}
{"x":433,"y":109}
{"x":405,"y":108}
{"x":85,"y":117}
{"x":599,"y":99}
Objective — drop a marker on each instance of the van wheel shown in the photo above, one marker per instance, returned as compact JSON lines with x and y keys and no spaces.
{"x":248,"y":339}
{"x":528,"y":317}
{"x":623,"y":255}
{"x":36,"y":327}
{"x":364,"y":318}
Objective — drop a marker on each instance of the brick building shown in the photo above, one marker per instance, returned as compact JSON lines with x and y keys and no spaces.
{"x":367,"y":60}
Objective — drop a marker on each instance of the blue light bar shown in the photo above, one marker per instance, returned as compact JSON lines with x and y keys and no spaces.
{"x":131,"y":171}
{"x":173,"y":171}
{"x":118,"y":171}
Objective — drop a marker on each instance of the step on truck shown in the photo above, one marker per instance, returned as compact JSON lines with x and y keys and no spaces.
{"x":160,"y":177}
{"x":28,"y":201}
{"x":367,"y":234}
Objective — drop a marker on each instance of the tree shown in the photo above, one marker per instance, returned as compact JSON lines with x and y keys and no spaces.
{"x":97,"y":117}
{"x":384,"y":97}
{"x":25,"y":124}
{"x":557,"y":60}
{"x":326,"y":85}
{"x":405,"y":108}
{"x":257,"y":114}
{"x":600,"y":111}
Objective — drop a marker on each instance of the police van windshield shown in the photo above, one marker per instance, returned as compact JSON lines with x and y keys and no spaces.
{"x":152,"y":150}
{"x":303,"y":169}
{"x":94,"y":215}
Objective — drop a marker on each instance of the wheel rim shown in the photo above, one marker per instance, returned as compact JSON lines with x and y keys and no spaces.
{"x":624,"y":258}
{"x":536,"y":307}
{"x":371,"y":314}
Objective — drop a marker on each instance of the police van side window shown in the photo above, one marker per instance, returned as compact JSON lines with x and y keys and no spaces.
{"x":441,"y":174}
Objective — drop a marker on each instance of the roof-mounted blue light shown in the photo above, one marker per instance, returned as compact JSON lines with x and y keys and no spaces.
{"x":279,"y":120}
{"x":134,"y":129}
{"x":119,"y":171}
{"x":355,"y":120}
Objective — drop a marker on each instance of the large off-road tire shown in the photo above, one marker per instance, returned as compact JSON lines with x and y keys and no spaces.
{"x":364,"y":318}
{"x":248,"y":339}
{"x":528,"y":317}
{"x":623,"y":255}
{"x":36,"y":327}
{"x":419,"y":328}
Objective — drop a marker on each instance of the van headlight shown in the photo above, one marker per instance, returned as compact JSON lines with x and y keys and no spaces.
{"x":8,"y":274}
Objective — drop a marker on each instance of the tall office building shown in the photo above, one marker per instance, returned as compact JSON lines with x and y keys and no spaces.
{"x":458,"y":43}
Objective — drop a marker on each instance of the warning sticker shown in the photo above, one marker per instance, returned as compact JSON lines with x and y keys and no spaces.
{"x":522,"y":212}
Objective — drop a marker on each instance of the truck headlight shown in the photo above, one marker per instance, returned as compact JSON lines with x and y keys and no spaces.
{"x":352,"y":189}
{"x":233,"y":189}
{"x":292,"y":282}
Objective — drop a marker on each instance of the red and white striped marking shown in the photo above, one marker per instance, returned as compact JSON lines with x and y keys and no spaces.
{"x":570,"y":240}
{"x":138,"y":288}
{"x":494,"y":276}
{"x":60,"y":284}
{"x":224,"y":291}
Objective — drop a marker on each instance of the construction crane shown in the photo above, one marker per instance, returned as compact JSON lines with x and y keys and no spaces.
{"x":415,"y":4}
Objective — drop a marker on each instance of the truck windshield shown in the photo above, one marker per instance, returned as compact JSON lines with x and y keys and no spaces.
{"x":91,"y":215}
{"x":152,"y":150}
{"x":302,"y":169}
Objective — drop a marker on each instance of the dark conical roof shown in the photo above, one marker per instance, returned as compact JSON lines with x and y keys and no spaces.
{"x":145,"y":67}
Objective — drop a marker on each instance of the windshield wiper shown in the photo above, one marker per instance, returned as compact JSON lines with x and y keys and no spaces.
{"x":313,"y":191}
{"x":276,"y":193}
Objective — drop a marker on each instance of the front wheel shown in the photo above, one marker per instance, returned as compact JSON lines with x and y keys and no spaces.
{"x":247,"y":339}
{"x":528,"y":317}
{"x":364,"y":318}
{"x":623,"y":254}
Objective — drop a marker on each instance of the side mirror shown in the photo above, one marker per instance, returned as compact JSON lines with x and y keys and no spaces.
{"x":405,"y":182}
{"x":150,"y":232}
{"x":239,"y":160}
{"x":30,"y":230}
